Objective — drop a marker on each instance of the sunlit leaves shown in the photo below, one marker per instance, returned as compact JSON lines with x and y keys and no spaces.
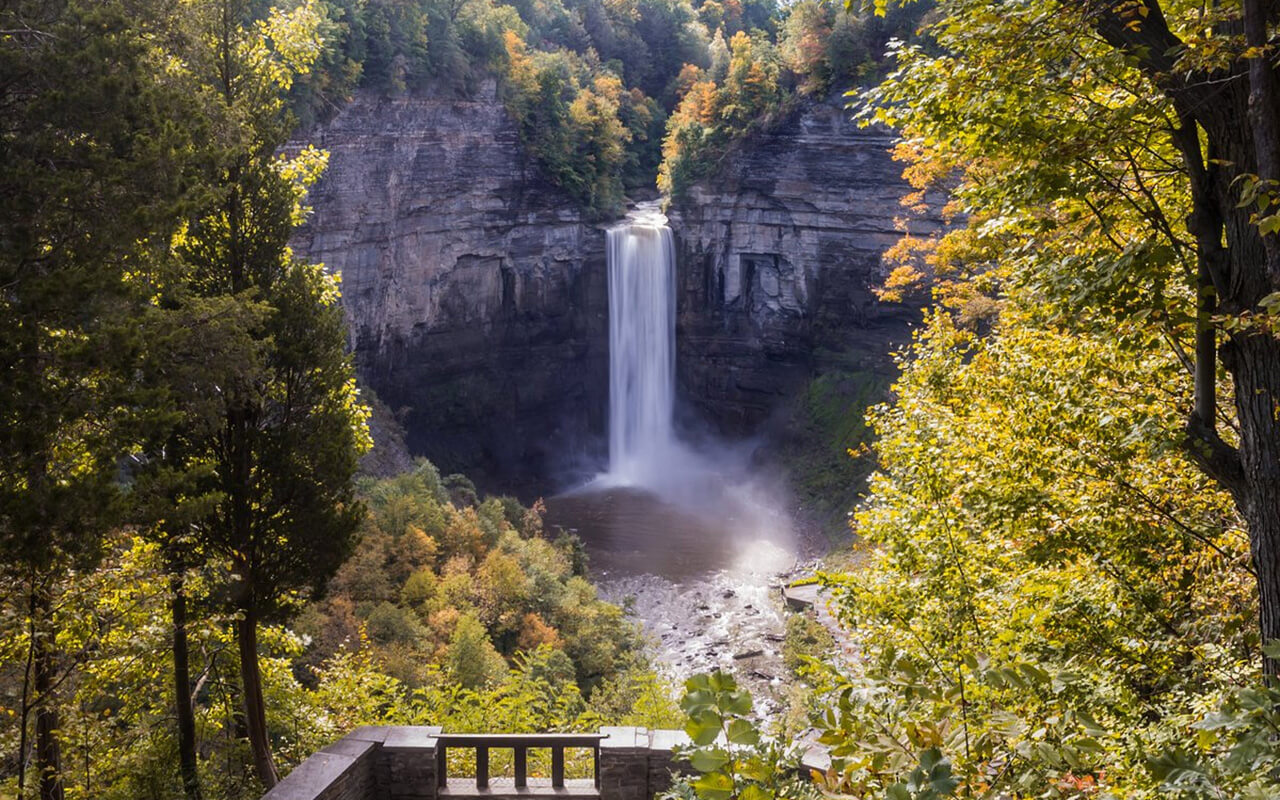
{"x":1032,"y":504}
{"x":569,"y":116}
{"x":294,"y":37}
{"x":732,"y":757}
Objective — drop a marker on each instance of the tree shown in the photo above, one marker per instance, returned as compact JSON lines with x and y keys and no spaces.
{"x":195,"y":347}
{"x":1033,"y":514}
{"x":289,"y":425}
{"x":472,"y":660}
{"x":1170,"y":110}
{"x":804,"y":41}
{"x":90,"y":177}
{"x":750,"y":90}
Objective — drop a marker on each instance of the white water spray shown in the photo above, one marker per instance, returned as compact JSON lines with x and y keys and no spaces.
{"x":642,"y":335}
{"x":666,"y":506}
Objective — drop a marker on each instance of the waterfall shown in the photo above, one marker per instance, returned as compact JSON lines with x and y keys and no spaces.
{"x":665,"y":505}
{"x":642,"y":335}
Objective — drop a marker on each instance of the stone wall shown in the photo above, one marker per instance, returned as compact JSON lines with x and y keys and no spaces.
{"x":778,"y":253}
{"x":407,"y":764}
{"x":399,"y":763}
{"x":475,"y":290}
{"x":637,"y":763}
{"x":345,"y":770}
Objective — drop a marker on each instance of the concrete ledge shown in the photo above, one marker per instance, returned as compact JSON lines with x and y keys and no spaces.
{"x":623,"y":738}
{"x":411,"y":737}
{"x":370,"y":733}
{"x":342,"y":771}
{"x":667,"y":740}
{"x":346,"y":746}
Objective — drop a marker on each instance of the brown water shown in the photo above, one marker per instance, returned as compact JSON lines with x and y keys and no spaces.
{"x":633,"y":531}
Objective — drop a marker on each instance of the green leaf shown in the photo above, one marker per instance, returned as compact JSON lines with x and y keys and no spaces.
{"x":709,"y":760}
{"x":897,"y":791}
{"x":703,"y":727}
{"x":736,"y":702}
{"x":721,"y":682}
{"x":756,"y":768}
{"x":931,"y":758}
{"x":714,"y":786}
{"x":754,"y":792}
{"x":697,"y":700}
{"x":741,"y":731}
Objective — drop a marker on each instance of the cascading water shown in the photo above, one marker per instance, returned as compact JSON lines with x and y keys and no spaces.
{"x":642,"y":333}
{"x":685,"y":531}
{"x":665,"y":506}
{"x":674,"y":526}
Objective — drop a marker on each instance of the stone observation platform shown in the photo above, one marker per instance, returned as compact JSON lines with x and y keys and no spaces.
{"x":411,"y":763}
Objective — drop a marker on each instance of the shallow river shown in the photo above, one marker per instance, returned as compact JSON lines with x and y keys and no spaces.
{"x":701,"y":569}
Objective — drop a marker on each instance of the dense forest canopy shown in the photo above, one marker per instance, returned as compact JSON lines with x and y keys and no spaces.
{"x":596,"y":87}
{"x":1071,"y":584}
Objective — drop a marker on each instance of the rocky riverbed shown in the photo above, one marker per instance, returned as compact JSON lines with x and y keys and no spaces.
{"x":722,"y":620}
{"x":705,"y":583}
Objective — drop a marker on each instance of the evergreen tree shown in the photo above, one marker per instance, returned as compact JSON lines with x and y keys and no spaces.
{"x":89,"y":182}
{"x":195,"y":347}
{"x":282,"y":454}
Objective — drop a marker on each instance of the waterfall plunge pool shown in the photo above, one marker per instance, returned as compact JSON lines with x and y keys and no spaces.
{"x":687,"y":537}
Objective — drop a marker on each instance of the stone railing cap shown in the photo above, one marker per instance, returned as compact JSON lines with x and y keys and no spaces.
{"x":369,"y":733}
{"x":623,"y":737}
{"x":668,"y":739}
{"x":313,"y":776}
{"x":347,"y":746}
{"x":411,"y":737}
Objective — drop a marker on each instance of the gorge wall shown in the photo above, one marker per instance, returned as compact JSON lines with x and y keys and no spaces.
{"x":778,"y":252}
{"x":475,"y":290}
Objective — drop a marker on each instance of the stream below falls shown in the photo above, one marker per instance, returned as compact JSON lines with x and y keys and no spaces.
{"x":704,"y":582}
{"x":688,"y":537}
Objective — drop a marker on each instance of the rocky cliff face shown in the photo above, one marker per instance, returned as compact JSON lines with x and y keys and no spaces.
{"x":474,"y":289}
{"x":778,"y":252}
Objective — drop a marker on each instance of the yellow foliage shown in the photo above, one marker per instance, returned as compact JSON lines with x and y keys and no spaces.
{"x":902,"y":281}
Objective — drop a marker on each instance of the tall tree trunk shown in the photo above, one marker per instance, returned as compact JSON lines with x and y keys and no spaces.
{"x":1238,"y":108}
{"x":48,"y":745}
{"x":1255,"y":365}
{"x":254,"y":705}
{"x":182,"y":691}
{"x":1251,"y":127}
{"x":25,"y":711}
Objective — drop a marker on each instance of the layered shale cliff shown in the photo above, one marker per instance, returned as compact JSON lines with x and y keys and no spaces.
{"x":475,"y":289}
{"x":477,"y":298}
{"x":778,"y":252}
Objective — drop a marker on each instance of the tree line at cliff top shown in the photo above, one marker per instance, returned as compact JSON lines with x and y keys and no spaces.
{"x":593,"y":85}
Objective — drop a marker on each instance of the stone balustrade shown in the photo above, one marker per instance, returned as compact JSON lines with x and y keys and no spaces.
{"x":401,"y":763}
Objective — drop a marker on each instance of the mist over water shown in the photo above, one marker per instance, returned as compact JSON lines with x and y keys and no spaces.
{"x":666,"y":507}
